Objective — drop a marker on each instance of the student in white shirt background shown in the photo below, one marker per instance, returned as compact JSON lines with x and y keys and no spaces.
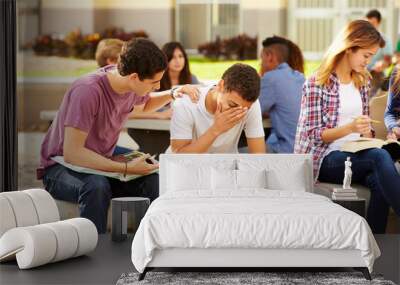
{"x":215,"y":123}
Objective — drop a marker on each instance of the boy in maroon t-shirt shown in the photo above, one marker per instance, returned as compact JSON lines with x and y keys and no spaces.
{"x":87,"y":126}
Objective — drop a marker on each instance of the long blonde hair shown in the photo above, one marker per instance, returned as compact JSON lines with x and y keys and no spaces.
{"x":358,"y":34}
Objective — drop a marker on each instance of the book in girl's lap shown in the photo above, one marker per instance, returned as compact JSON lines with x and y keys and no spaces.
{"x":391,"y":146}
{"x":331,"y":98}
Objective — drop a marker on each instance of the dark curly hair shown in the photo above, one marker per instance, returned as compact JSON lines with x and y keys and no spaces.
{"x":143,"y":57}
{"x":286,"y":51}
{"x":243,"y":79}
{"x":374,"y":14}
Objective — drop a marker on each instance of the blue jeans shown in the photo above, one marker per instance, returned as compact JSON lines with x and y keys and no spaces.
{"x":120,"y":150}
{"x":375,"y":169}
{"x":94,"y":192}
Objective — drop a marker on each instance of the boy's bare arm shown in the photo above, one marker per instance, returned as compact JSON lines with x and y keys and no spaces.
{"x":256,"y":145}
{"x":201,"y":145}
{"x":76,"y":153}
{"x":160,"y":99}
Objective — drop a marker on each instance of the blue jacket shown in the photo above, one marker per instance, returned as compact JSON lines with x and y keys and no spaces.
{"x":280,"y":97}
{"x":392,"y":112}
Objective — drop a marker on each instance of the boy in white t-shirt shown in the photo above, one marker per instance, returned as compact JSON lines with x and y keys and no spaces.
{"x":215,"y":123}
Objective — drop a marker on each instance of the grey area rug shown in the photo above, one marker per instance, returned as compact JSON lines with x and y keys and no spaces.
{"x":232,"y":278}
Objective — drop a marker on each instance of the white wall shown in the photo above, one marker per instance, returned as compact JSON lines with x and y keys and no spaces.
{"x":153,"y":16}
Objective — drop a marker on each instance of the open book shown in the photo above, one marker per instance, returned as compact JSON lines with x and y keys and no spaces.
{"x":116,"y":175}
{"x":392,"y":146}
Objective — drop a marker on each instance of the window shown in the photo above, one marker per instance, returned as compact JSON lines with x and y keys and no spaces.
{"x":197,"y":22}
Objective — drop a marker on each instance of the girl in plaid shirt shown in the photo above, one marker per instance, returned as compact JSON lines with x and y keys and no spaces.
{"x":334,"y":109}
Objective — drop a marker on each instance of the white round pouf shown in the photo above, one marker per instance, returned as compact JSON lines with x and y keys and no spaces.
{"x":6,"y":216}
{"x":67,"y":240}
{"x":31,"y":233}
{"x":32,"y":246}
{"x":87,"y":235}
{"x":45,"y":205}
{"x":23,"y":208}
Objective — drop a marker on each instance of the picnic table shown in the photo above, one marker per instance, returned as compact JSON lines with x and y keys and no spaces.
{"x":152,"y":135}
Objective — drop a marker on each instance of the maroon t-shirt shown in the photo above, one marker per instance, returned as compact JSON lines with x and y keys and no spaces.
{"x":92,"y":106}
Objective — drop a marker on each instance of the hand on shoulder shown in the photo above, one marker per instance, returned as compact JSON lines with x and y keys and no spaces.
{"x":191,"y":91}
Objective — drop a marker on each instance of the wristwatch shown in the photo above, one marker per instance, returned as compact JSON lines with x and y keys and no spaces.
{"x":173,"y":92}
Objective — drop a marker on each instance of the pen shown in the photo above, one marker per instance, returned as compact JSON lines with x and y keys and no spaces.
{"x":372,"y":121}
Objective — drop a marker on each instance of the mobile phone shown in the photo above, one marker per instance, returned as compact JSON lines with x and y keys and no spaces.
{"x":151,"y":160}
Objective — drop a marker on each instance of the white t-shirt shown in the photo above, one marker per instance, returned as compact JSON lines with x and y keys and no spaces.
{"x":191,"y":120}
{"x":350,"y":107}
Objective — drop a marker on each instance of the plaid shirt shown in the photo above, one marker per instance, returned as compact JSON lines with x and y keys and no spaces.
{"x":319,"y":111}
